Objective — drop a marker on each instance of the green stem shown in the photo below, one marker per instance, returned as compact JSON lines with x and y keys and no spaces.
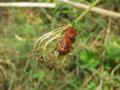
{"x":86,"y":11}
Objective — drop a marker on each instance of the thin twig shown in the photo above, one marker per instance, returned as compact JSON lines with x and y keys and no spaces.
{"x":108,"y":32}
{"x":47,"y":14}
{"x":114,"y":69}
{"x":101,"y":33}
{"x":100,"y":86}
{"x":27,"y":4}
{"x":94,"y":9}
{"x":86,"y":11}
{"x":89,"y":79}
{"x":13,"y":76}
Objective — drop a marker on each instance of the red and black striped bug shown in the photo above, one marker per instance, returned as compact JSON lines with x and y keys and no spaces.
{"x":71,"y":33}
{"x":64,"y":45}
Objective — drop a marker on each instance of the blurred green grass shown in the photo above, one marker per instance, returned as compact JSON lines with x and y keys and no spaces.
{"x":95,"y":67}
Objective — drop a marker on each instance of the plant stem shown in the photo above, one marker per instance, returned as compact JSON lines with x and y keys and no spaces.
{"x":27,"y":4}
{"x":86,"y":11}
{"x":93,"y":9}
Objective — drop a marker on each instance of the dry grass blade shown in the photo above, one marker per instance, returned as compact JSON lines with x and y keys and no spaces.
{"x":27,"y":4}
{"x":86,"y":11}
{"x":94,"y":9}
{"x":57,"y":36}
{"x":49,"y":35}
{"x":5,"y":73}
{"x":114,"y":69}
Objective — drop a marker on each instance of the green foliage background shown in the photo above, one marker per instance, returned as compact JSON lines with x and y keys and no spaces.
{"x":93,"y":63}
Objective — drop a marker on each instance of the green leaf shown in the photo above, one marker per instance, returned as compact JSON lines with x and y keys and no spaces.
{"x":90,"y":59}
{"x":91,"y":86}
{"x":113,"y":50}
{"x":39,"y":75}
